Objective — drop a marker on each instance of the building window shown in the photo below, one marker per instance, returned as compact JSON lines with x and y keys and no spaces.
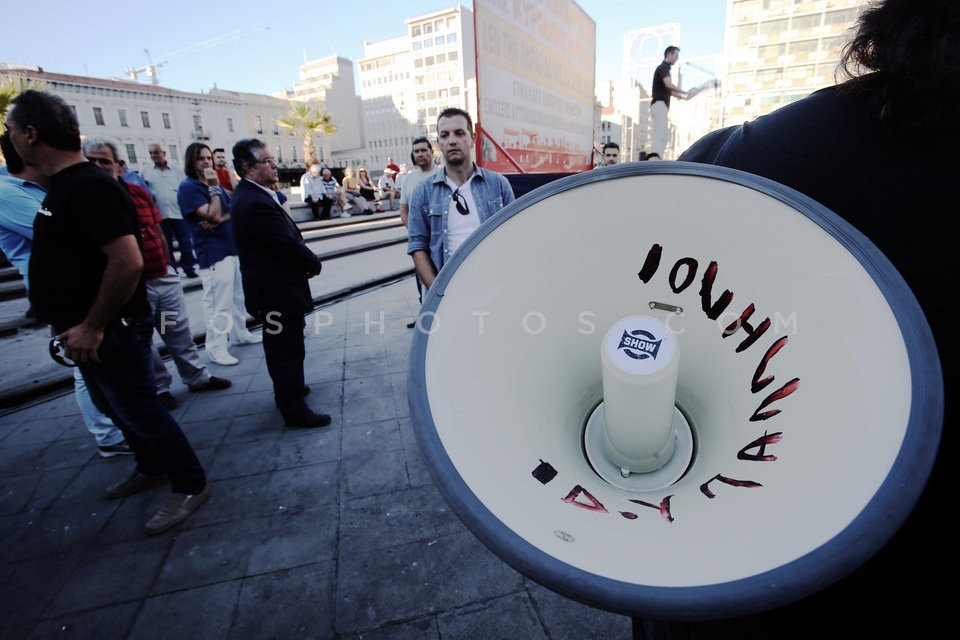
{"x":259,"y":124}
{"x":166,"y":120}
{"x":416,"y":31}
{"x":197,"y":125}
{"x":98,"y":115}
{"x":132,"y":154}
{"x":122,"y":114}
{"x":418,"y":63}
{"x":428,"y":60}
{"x":145,"y":119}
{"x":451,"y":38}
{"x":276,"y":128}
{"x":172,"y":150}
{"x":438,"y":41}
{"x":773,"y":28}
{"x":230,"y":125}
{"x":453,"y":55}
{"x":427,"y":28}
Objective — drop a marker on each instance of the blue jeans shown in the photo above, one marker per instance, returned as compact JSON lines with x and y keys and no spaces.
{"x":98,"y":424}
{"x":122,"y":386}
{"x":176,"y":228}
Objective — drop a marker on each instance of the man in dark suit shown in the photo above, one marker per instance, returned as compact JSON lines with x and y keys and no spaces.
{"x":275,"y":265}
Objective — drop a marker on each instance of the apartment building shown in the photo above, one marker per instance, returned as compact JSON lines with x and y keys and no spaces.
{"x":406,"y":81}
{"x":779,"y":51}
{"x":330,"y":83}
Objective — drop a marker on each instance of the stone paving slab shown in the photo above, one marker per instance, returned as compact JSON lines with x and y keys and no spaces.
{"x":329,"y":533}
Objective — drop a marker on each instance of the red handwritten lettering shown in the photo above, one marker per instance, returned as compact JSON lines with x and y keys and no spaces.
{"x":779,"y":394}
{"x":752,"y":334}
{"x":691,"y":266}
{"x":651,"y":264}
{"x":592,"y":505}
{"x":756,"y":384}
{"x":761,"y":442}
{"x":706,"y":290}
{"x":747,"y":484}
{"x":663,"y":508}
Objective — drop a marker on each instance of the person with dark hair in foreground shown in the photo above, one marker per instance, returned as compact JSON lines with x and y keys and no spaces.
{"x":836,"y":146}
{"x":86,"y":282}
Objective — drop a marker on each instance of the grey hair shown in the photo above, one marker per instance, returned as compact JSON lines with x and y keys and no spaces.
{"x":89,"y":144}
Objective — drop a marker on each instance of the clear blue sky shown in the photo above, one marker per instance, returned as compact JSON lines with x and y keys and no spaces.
{"x":102,"y":39}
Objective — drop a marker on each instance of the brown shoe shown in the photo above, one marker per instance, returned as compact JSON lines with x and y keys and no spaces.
{"x":135,"y":483}
{"x":174,"y":510}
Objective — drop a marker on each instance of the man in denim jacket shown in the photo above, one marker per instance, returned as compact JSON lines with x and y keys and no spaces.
{"x":452,"y":202}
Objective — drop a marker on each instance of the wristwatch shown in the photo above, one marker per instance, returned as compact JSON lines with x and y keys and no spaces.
{"x":213,"y":192}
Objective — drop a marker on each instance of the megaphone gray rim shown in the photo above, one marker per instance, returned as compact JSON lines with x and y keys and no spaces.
{"x":864,"y":536}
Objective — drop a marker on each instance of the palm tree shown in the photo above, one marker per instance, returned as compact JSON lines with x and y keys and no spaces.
{"x":10,"y":89}
{"x":306,"y":119}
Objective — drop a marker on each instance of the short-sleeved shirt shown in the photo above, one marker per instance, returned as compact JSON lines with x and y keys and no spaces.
{"x":164,"y":184}
{"x":414,"y":177}
{"x":19,"y":201}
{"x":386,"y":183}
{"x":223,"y":176}
{"x":210,"y":245}
{"x":84,"y":210}
{"x":154,"y":259}
{"x":659,"y":91}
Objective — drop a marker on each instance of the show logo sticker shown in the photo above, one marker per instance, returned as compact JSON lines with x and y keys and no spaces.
{"x":639,"y":344}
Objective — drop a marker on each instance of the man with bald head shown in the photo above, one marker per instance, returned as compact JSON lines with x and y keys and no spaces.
{"x":164,"y":180}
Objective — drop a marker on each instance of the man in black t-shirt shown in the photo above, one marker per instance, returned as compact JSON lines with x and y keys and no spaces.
{"x":661,"y":91}
{"x":86,"y":282}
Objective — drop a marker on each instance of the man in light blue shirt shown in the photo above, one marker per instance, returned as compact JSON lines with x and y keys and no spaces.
{"x":452,"y":202}
{"x":20,"y":197}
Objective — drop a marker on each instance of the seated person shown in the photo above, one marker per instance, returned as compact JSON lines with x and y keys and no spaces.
{"x":388,"y":187}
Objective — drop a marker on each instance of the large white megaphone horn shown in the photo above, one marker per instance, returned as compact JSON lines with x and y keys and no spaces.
{"x":677,"y":412}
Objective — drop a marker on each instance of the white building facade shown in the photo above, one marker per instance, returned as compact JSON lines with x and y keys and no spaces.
{"x":137,"y":115}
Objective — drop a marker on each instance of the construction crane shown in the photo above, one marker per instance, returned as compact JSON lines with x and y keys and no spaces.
{"x":151,"y":67}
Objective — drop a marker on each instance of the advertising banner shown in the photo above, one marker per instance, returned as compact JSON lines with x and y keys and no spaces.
{"x":536,"y":62}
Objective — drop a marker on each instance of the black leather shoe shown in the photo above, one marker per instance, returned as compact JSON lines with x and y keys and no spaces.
{"x":167,"y":400}
{"x":308,"y":420}
{"x":213,"y":384}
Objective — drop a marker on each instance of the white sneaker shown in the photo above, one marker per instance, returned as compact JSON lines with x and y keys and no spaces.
{"x":222,"y":357}
{"x":344,"y":215}
{"x":250,"y":338}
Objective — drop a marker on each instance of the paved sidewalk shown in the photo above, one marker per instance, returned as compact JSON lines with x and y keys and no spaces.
{"x":318,"y":533}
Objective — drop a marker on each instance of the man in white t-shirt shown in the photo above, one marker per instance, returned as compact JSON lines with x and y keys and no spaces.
{"x":388,"y":187}
{"x":464,"y":194}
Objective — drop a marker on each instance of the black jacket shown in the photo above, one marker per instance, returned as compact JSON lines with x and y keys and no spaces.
{"x":275,"y":263}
